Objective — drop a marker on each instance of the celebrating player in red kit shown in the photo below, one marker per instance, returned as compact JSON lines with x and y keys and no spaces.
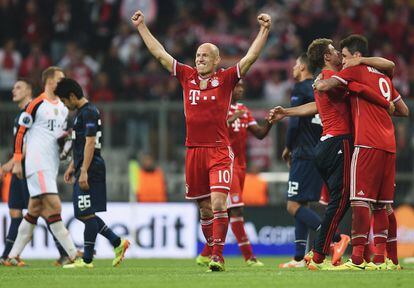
{"x":209,"y":159}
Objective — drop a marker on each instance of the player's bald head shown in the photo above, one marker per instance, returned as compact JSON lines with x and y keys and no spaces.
{"x":210,"y":48}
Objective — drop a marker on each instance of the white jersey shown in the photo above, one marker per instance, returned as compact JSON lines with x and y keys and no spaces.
{"x":43,"y":122}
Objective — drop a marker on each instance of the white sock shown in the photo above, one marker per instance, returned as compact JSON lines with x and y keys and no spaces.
{"x":24,"y":235}
{"x":63,"y":236}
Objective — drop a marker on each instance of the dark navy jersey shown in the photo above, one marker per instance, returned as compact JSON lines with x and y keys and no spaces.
{"x":303,"y":132}
{"x":87,"y":122}
{"x":15,"y":128}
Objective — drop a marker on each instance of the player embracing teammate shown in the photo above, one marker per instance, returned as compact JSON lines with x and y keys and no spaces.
{"x":207,"y":94}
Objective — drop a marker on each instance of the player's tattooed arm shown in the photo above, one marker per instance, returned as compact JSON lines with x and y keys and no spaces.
{"x":378,"y":63}
{"x":256,"y":48}
{"x":153,"y":45}
{"x":326,"y":84}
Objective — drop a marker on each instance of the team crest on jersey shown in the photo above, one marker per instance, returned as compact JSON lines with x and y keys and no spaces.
{"x":215,"y":83}
{"x":56,"y":111}
{"x":236,"y":198}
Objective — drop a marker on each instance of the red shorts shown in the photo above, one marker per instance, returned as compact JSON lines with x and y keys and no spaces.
{"x":235,"y":198}
{"x":372,"y":175}
{"x":324,"y":200}
{"x":208,"y":169}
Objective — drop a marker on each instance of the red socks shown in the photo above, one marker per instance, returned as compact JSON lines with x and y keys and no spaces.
{"x":392,"y":237}
{"x":360,"y":229}
{"x":237,"y":226}
{"x":380,"y":232}
{"x":207,"y":228}
{"x":220,"y":226}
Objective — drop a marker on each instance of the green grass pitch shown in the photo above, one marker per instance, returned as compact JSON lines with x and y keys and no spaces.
{"x":185,"y":274}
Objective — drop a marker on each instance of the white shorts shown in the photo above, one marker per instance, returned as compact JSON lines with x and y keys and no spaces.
{"x":42,"y":182}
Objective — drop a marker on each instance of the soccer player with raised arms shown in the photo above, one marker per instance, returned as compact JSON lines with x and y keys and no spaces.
{"x":209,"y":157}
{"x":88,"y":169}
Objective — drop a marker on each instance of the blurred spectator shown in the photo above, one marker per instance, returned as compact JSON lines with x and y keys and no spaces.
{"x":79,"y":66}
{"x":276,"y":88}
{"x":102,"y":92}
{"x":127,"y":44}
{"x":151,"y":181}
{"x":34,"y":64}
{"x":33,"y":25}
{"x":10,"y":61}
{"x":61,"y":21}
{"x":8,"y":20}
{"x":255,"y":188}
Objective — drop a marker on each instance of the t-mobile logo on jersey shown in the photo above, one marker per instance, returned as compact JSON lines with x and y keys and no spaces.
{"x":195,"y":95}
{"x":236,"y":125}
{"x":51,"y":124}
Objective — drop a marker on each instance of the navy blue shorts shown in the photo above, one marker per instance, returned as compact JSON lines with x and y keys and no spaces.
{"x":87,"y":202}
{"x":305,"y":183}
{"x":18,"y":194}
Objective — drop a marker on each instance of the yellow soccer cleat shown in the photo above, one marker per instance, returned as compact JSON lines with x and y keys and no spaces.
{"x":391,"y":265}
{"x":79,"y":263}
{"x":349,"y":265}
{"x":203,"y":260}
{"x":372,"y":266}
{"x":325,"y":265}
{"x":253,"y":262}
{"x":120,"y":252}
{"x":216,"y":264}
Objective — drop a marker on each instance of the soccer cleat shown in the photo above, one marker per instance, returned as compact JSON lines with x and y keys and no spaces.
{"x":349,"y":265}
{"x":203,"y":260}
{"x":325,"y":265}
{"x":339,"y":248}
{"x":17,"y":262}
{"x":216,"y":264}
{"x":308,"y":257}
{"x":120,"y":252}
{"x":2,"y":261}
{"x":391,"y":265}
{"x":293,"y":264}
{"x":79,"y":263}
{"x":253,"y":262}
{"x":63,"y":260}
{"x":372,"y":266}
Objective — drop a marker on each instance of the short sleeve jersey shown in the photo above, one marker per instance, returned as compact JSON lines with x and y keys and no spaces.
{"x":372,"y":123}
{"x":238,"y":133}
{"x":42,"y":123}
{"x":87,"y":123}
{"x":334,"y":109}
{"x":206,"y":105}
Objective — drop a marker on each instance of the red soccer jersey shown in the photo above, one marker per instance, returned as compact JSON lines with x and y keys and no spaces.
{"x":206,"y":109}
{"x":238,"y":133}
{"x":334,"y":110}
{"x":372,"y":124}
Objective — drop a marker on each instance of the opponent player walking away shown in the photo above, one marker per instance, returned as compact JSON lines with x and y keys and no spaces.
{"x":207,"y":95}
{"x":240,"y":121}
{"x":373,"y":161}
{"x":333,"y":153}
{"x":88,"y":167}
{"x":43,"y":122}
{"x":305,"y":183}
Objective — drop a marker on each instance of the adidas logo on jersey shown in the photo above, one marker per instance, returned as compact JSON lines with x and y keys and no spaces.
{"x":361,"y":193}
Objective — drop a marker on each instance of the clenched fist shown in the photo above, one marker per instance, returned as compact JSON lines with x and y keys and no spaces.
{"x":138,"y":18}
{"x":264,"y":20}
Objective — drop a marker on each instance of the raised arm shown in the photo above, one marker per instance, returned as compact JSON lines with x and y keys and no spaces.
{"x":153,"y":45}
{"x":256,"y":48}
{"x":379,"y":63}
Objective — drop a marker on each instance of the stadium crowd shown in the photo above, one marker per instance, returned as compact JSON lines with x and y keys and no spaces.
{"x":96,"y":45}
